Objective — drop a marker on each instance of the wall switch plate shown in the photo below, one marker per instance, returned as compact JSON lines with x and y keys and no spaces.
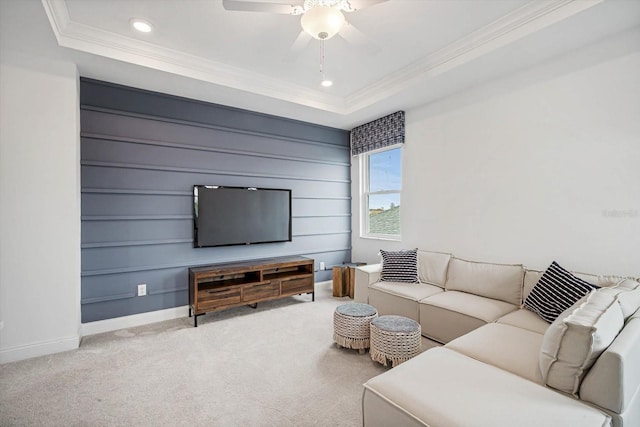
{"x":322,"y":266}
{"x":142,"y":290}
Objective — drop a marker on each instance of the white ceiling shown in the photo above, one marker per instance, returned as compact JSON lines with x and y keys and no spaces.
{"x":422,"y":50}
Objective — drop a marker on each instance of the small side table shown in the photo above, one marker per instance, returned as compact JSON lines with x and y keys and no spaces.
{"x":344,"y":278}
{"x":351,"y":325}
{"x":394,"y":339}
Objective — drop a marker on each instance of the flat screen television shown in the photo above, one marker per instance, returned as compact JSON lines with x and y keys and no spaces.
{"x":225,"y":216}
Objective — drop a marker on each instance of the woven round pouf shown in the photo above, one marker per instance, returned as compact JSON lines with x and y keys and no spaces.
{"x":351,"y":325}
{"x":394,"y":339}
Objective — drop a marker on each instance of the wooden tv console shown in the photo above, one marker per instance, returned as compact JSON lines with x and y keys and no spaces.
{"x":219,"y":286}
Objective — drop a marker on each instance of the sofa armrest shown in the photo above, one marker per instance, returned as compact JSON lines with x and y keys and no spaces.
{"x":365,"y":276}
{"x":614,"y":379}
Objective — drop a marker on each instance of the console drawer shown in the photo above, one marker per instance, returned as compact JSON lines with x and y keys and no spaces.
{"x":256,"y":291}
{"x":216,"y":297}
{"x":297,"y":286}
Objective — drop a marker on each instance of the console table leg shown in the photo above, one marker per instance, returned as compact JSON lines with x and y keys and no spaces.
{"x":195,"y":321}
{"x":313,"y":296}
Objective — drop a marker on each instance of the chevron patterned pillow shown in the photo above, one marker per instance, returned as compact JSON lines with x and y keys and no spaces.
{"x":399,"y":266}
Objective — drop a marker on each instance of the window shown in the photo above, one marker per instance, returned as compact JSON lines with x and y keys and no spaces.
{"x":381,"y":178}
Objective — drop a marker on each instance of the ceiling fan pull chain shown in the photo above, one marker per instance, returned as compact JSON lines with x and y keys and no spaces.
{"x":322,"y":58}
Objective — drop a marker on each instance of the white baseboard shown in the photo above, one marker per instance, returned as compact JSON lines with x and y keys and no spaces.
{"x":124,"y":322}
{"x":41,"y":348}
{"x":326,"y":283}
{"x":71,"y":343}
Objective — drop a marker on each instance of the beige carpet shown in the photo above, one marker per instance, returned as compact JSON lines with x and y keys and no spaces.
{"x":274,"y":366}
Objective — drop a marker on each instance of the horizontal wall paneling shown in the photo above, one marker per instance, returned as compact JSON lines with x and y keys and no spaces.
{"x":141,"y":154}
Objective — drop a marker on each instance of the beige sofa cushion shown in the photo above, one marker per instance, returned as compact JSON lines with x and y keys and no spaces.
{"x":525,"y":319}
{"x":576,"y":339}
{"x":507,"y":347}
{"x":400,"y":298}
{"x":531,"y":277}
{"x":602,"y":281}
{"x":627,"y":292}
{"x":448,"y":315}
{"x":498,"y":281}
{"x":412,"y":291}
{"x":443,"y":388}
{"x":432,"y":267}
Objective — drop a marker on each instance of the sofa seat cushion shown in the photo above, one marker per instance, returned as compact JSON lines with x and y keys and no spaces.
{"x":448,"y":315}
{"x":525,"y":319}
{"x":443,"y":388}
{"x":400,"y":298}
{"x":506,"y":347}
{"x":412,"y":291}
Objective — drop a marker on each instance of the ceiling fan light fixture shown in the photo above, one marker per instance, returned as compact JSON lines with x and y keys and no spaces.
{"x":322,"y":22}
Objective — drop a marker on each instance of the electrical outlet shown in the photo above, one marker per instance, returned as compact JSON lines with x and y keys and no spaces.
{"x":142,"y":290}
{"x":322,"y":266}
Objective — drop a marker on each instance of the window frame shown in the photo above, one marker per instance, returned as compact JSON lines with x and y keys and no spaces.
{"x":364,"y":195}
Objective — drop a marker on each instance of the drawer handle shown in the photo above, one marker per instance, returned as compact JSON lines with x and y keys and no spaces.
{"x":217,"y":291}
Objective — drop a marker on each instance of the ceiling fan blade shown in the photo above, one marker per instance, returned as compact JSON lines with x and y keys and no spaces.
{"x":301,"y":42}
{"x":361,"y":4}
{"x":256,"y":6}
{"x":356,"y":38}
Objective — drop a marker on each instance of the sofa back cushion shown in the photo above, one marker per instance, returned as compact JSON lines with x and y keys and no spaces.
{"x":531,"y":277}
{"x":432,"y":267}
{"x":576,"y":338}
{"x":498,"y":281}
{"x":627,"y":292}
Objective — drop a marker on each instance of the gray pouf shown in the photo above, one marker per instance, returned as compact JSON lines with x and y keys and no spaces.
{"x":394,"y":339}
{"x":351,"y":325}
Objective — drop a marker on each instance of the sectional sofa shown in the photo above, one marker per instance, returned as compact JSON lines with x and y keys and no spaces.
{"x":502,"y":364}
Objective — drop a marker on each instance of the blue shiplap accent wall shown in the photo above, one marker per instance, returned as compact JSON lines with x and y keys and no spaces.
{"x":141,"y":154}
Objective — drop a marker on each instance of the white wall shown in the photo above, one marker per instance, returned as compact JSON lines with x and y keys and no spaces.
{"x":540,"y":166}
{"x":39,"y":208}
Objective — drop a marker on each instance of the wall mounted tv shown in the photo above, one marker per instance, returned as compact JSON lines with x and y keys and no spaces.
{"x":224,"y":216}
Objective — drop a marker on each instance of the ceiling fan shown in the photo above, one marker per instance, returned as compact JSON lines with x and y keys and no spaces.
{"x":321,"y":19}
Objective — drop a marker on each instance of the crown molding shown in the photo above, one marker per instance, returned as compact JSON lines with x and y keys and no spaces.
{"x":84,"y":38}
{"x":509,"y":28}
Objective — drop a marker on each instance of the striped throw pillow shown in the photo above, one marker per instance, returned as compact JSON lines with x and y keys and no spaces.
{"x":399,"y":266}
{"x":556,"y":291}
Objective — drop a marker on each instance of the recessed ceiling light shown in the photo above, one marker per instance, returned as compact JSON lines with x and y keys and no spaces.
{"x":326,"y":83}
{"x":141,"y":25}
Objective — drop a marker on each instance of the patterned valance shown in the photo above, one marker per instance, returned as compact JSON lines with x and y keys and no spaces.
{"x":386,"y":131}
